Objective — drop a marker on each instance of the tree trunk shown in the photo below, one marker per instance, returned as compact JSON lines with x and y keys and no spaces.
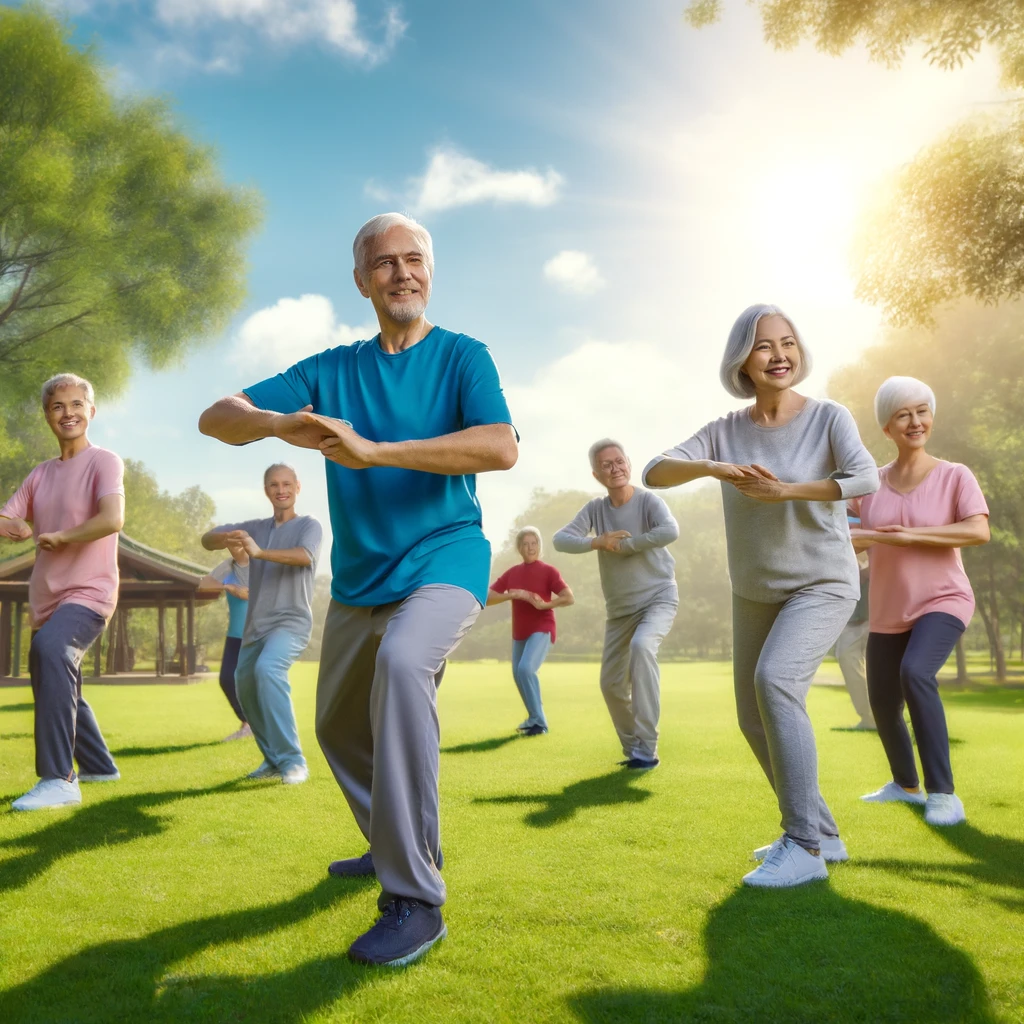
{"x":962,"y":679}
{"x":990,"y":616}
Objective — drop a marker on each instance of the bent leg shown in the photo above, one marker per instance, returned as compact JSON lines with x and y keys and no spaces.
{"x":535,"y":650}
{"x":518,"y":646}
{"x":645,"y":675}
{"x":280,"y":650}
{"x":884,"y":657}
{"x":615,"y":681}
{"x":248,"y":694}
{"x":851,"y":648}
{"x":228,"y":664}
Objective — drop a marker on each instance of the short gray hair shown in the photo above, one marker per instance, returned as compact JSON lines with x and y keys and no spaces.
{"x":599,"y":446}
{"x":529,"y":531}
{"x":376,"y":226}
{"x":66,"y":380}
{"x":279,"y":465}
{"x":901,"y":393}
{"x":741,"y":344}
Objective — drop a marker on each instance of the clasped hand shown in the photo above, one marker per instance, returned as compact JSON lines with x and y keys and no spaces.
{"x":238,"y":541}
{"x":754,"y":481}
{"x":334,"y":438}
{"x":529,"y":597}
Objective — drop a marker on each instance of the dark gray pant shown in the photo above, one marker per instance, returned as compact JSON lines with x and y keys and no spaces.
{"x":376,"y":720}
{"x":902,"y":668}
{"x":65,"y":726}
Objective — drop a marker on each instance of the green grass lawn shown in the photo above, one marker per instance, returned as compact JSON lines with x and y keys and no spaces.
{"x":577,"y":892}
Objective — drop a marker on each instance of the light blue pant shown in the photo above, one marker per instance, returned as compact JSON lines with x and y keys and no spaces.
{"x":527,"y":657}
{"x":261,"y":682}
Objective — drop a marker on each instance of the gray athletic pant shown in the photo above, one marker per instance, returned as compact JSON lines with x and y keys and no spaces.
{"x":65,"y":726}
{"x":376,"y":720}
{"x":631,"y":679}
{"x":777,"y":648}
{"x":851,"y":652}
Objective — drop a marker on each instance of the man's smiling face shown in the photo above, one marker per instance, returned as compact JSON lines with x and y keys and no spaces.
{"x":395,"y":277}
{"x":68,"y":413}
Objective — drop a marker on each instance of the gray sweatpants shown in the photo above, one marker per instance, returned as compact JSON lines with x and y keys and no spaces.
{"x":777,"y":648}
{"x":376,"y":720}
{"x":631,"y":679}
{"x":851,"y":653}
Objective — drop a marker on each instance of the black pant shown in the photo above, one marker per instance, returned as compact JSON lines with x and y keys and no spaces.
{"x":901,"y":669}
{"x":228,"y":664}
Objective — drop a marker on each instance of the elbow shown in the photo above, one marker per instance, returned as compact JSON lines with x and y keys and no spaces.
{"x":207,"y":541}
{"x":506,"y":455}
{"x":206,"y":421}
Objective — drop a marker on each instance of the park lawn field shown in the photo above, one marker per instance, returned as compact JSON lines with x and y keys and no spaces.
{"x":577,"y":892}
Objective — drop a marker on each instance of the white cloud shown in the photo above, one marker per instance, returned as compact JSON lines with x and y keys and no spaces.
{"x":454,"y":179}
{"x":275,"y":337}
{"x":574,"y":272}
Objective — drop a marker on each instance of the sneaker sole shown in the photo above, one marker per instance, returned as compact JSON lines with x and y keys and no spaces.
{"x":402,"y":961}
{"x":49,"y":807}
{"x":786,"y":884}
{"x":869,"y":799}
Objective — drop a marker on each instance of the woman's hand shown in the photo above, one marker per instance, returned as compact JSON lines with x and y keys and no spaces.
{"x":760,"y":483}
{"x":730,"y":472}
{"x":896,"y":535}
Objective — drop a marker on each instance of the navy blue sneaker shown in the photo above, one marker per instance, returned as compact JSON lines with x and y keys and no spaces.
{"x":534,"y":730}
{"x":352,"y":867}
{"x":640,"y":764}
{"x":405,"y":930}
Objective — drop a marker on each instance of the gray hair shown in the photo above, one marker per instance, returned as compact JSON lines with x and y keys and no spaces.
{"x":376,"y":226}
{"x":66,"y":380}
{"x":741,"y":344}
{"x":599,"y":446}
{"x":279,"y":465}
{"x":529,"y":531}
{"x":901,"y":393}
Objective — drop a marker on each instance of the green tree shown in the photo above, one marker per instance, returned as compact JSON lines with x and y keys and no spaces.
{"x":118,"y":240}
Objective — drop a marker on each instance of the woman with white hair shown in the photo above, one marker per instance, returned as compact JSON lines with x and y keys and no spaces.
{"x":921,"y":602}
{"x":535,"y":590}
{"x":787,"y":464}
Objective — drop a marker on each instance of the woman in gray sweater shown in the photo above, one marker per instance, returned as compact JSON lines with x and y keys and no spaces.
{"x":787,"y":464}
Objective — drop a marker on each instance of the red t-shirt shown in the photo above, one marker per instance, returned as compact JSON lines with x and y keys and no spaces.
{"x":540,"y":578}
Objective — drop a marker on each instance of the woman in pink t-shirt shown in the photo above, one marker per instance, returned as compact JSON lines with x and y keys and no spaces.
{"x":920,"y":597}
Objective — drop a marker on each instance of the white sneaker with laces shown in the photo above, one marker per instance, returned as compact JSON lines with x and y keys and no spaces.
{"x":944,"y":809}
{"x":49,"y":793}
{"x":891,"y":793}
{"x":786,"y":864}
{"x":298,"y":773}
{"x":100,"y":778}
{"x":833,"y":851}
{"x":265,"y":771}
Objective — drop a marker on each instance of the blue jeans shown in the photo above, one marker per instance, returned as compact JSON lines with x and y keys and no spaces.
{"x":261,"y":683}
{"x":527,"y":657}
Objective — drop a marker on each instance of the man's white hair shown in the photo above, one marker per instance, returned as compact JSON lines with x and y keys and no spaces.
{"x":901,"y":393}
{"x":279,"y":465}
{"x":66,"y":380}
{"x":599,"y":446}
{"x":376,"y":226}
{"x":529,"y":531}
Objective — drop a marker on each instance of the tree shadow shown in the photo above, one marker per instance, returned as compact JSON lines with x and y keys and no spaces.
{"x":603,"y":791}
{"x":170,"y":749}
{"x":109,"y":822}
{"x":128,"y":979}
{"x":809,"y":956}
{"x":15,"y":735}
{"x":989,"y":698}
{"x":17,"y":707}
{"x":480,"y":746}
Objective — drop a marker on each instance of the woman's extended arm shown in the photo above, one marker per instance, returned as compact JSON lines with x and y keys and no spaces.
{"x":967,"y":533}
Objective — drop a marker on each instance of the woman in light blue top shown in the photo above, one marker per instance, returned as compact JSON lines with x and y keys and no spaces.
{"x":787,"y":464}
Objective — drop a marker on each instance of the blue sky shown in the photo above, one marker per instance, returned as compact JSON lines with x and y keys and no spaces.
{"x":606,"y":192}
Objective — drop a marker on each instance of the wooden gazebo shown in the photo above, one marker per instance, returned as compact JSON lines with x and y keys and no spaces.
{"x":149,"y":579}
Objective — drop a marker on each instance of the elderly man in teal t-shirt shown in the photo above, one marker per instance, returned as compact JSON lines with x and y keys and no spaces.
{"x":405,"y":421}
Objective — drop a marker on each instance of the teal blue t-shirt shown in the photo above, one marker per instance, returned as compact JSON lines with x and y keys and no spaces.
{"x":396,"y":530}
{"x":236,"y":615}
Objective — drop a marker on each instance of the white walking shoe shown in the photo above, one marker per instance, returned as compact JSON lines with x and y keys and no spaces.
{"x":100,"y":778}
{"x":49,"y":793}
{"x":833,"y":851}
{"x":944,"y":809}
{"x":892,"y":793}
{"x":298,"y":773}
{"x":786,"y":864}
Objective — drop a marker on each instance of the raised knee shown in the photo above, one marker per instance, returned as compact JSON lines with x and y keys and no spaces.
{"x":914,"y":677}
{"x":394,"y":662}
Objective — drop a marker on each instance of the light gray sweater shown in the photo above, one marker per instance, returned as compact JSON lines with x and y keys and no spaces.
{"x":778,"y":548}
{"x":642,"y":572}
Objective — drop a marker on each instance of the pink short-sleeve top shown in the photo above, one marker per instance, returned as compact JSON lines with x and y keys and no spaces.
{"x":909,"y":582}
{"x":57,"y":496}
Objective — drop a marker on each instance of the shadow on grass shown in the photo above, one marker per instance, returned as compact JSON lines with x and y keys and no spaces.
{"x":480,"y":746}
{"x":17,"y":707}
{"x":15,"y":735}
{"x":131,"y":980}
{"x":809,"y":956}
{"x":993,"y":698}
{"x":604,"y":791}
{"x":170,"y":749}
{"x":110,"y":822}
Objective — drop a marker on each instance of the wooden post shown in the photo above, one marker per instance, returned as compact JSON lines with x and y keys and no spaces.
{"x":182,"y":660}
{"x":5,"y":638}
{"x":161,"y":639}
{"x":19,"y":609}
{"x":191,"y":633}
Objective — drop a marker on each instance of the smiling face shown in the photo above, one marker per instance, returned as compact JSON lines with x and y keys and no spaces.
{"x":68,"y":413}
{"x":282,"y":488}
{"x":613,"y":468}
{"x":529,"y":548}
{"x":395,"y":277}
{"x":774,"y":361}
{"x":911,"y":426}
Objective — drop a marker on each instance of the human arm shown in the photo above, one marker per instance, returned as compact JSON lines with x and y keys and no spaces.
{"x":562,"y":599}
{"x":299,"y":556}
{"x":109,"y":519}
{"x":16,"y":516}
{"x":14,"y":529}
{"x":664,"y":528}
{"x":574,"y":538}
{"x":969,"y":532}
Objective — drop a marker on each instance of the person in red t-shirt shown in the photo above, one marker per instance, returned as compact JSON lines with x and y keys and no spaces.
{"x":535,"y":590}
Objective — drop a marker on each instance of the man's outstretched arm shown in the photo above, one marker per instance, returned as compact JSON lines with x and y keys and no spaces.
{"x":236,"y":420}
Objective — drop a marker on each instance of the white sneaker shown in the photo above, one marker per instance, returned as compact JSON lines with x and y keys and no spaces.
{"x":49,"y":793}
{"x":243,"y":733}
{"x":833,"y":851}
{"x":890,"y":793}
{"x":944,"y":809}
{"x":100,"y":778}
{"x":786,"y":864}
{"x":298,"y":773}
{"x":265,"y":771}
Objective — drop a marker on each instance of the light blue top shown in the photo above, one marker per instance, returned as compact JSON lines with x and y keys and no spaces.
{"x":237,"y":607}
{"x":396,"y":530}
